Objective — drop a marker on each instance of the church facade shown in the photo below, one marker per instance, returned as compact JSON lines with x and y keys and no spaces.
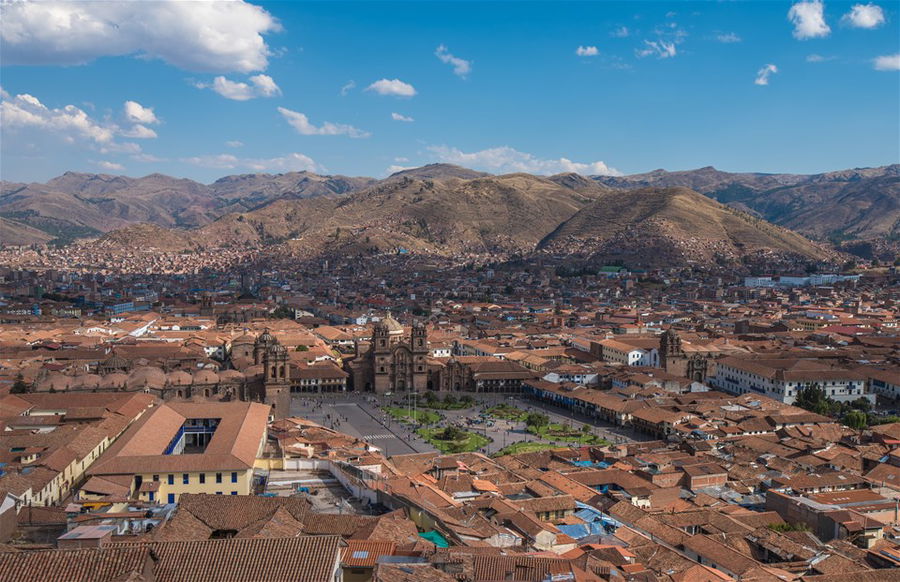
{"x":394,"y":361}
{"x":676,"y":360}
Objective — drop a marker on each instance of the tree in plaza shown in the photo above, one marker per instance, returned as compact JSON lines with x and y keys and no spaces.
{"x":452,"y":433}
{"x":536,"y":420}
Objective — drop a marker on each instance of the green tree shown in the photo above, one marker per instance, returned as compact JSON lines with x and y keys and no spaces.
{"x":19,"y":386}
{"x":536,"y":420}
{"x":453,"y":433}
{"x":283,"y":312}
{"x":862,"y":404}
{"x":856,"y":419}
{"x":813,"y":398}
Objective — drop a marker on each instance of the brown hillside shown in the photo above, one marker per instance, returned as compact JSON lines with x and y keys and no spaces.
{"x":675,"y":225}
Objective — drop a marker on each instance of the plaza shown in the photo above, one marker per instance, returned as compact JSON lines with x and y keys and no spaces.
{"x":362,"y":415}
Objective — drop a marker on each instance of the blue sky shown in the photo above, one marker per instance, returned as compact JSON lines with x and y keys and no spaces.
{"x":203,"y":90}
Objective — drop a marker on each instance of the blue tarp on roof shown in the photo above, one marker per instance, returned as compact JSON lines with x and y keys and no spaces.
{"x":576,"y":531}
{"x":436,"y":538}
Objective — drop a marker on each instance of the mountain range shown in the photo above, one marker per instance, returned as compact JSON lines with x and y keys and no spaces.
{"x":702,"y":216}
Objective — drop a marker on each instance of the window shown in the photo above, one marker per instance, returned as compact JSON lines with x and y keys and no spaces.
{"x":234,"y":477}
{"x":171,"y":498}
{"x":186,"y":478}
{"x":156,"y":477}
{"x":218,"y":477}
{"x":234,"y":492}
{"x":202,"y":478}
{"x":218,"y":492}
{"x":151,"y":495}
{"x":171,"y":479}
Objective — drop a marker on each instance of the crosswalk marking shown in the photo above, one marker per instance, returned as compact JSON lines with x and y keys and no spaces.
{"x":376,"y":437}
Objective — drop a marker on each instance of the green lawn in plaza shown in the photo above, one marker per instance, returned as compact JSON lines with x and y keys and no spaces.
{"x":525,"y":447}
{"x":507,"y":412}
{"x":564,"y":433}
{"x":406,"y":414}
{"x":453,"y":439}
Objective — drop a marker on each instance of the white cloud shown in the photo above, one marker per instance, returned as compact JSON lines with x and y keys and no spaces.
{"x":728,"y":38}
{"x":816,"y":58}
{"x":507,"y":159}
{"x":887,"y":63}
{"x":137,"y":113}
{"x":197,"y":36}
{"x":401,"y":159}
{"x":762,"y":76}
{"x":399,"y":117}
{"x":662,"y":49}
{"x":864,"y":16}
{"x":234,"y":143}
{"x":301,"y":123}
{"x":348,"y":86}
{"x":259,"y":86}
{"x":138,"y":132}
{"x":292,"y":162}
{"x":621,"y":32}
{"x":147,"y":158}
{"x":110,"y":166}
{"x":808,"y":18}
{"x":394,"y":87}
{"x":393,"y":169}
{"x":125,"y":147}
{"x":69,"y":122}
{"x":587,"y":51}
{"x":26,"y":113}
{"x":461,"y":67}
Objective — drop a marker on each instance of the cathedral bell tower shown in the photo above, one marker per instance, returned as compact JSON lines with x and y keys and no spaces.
{"x":277,"y":379}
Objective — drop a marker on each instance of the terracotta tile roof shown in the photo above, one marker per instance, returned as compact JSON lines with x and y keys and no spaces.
{"x":234,"y":444}
{"x":364,"y":553}
{"x":72,"y":565}
{"x":294,"y":559}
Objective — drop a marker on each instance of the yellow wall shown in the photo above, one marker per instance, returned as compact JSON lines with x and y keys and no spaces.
{"x":244,"y":482}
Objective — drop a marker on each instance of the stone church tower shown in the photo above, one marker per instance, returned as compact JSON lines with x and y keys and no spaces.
{"x":675,"y":360}
{"x":276,"y":373}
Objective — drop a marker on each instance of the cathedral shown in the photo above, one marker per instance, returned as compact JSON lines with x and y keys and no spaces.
{"x":675,"y":359}
{"x":394,"y":361}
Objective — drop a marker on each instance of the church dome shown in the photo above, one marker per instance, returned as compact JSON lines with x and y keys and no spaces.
{"x":114,"y":380}
{"x":115,"y":362}
{"x":147,"y":376}
{"x":266,"y":338}
{"x":231,"y":376}
{"x":205,"y":377}
{"x":179,"y":378}
{"x":57,"y":381}
{"x":86,"y":381}
{"x":393,"y":326}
